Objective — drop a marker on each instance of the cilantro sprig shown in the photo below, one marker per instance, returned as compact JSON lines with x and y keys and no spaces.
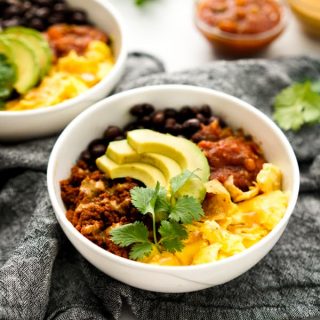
{"x":298,"y":105}
{"x":169,"y":211}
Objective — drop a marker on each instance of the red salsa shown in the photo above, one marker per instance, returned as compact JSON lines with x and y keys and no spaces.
{"x":243,"y":26}
{"x":240,"y":16}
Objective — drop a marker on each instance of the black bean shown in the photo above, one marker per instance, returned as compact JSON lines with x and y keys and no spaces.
{"x":170,"y":112}
{"x":94,"y":142}
{"x":42,"y":12}
{"x":131,"y":126}
{"x":60,"y":7}
{"x":158,"y":118}
{"x":185,"y":113}
{"x":119,"y":138}
{"x":195,"y":110}
{"x":197,"y":138}
{"x":206,"y":111}
{"x":112,"y":132}
{"x":85,"y":156}
{"x":56,"y":18}
{"x":202,"y":118}
{"x":79,"y":17}
{"x":191,"y":126}
{"x":26,"y":5}
{"x":30,"y":14}
{"x":13,"y":2}
{"x":142,"y":109}
{"x":172,"y":127}
{"x":97,"y":148}
{"x":146,"y":121}
{"x":169,"y":125}
{"x":170,"y":122}
{"x":177,"y":129}
{"x":13,"y":11}
{"x":37,"y":24}
{"x":45,"y":3}
{"x":14,"y":21}
{"x":3,"y":5}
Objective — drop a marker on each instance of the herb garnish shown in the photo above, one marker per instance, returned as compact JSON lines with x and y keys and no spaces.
{"x":297,"y":105}
{"x":7,"y":79}
{"x":140,"y":2}
{"x":169,"y":213}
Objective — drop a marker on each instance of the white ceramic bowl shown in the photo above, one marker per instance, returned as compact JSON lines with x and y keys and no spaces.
{"x":21,"y":125}
{"x":114,"y":110}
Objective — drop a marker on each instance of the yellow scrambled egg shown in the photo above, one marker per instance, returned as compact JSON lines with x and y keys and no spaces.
{"x":69,"y":77}
{"x":234,"y":220}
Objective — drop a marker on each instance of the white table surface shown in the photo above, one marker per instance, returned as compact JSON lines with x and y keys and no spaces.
{"x":165,"y":29}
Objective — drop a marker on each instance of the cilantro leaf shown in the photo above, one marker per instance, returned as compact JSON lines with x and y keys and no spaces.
{"x":179,"y":181}
{"x":155,"y":196}
{"x":130,"y":233}
{"x":162,"y":206}
{"x":297,"y":105}
{"x":186,"y":209}
{"x":172,"y":233}
{"x":140,"y":250}
{"x":135,"y":234}
{"x":141,"y":199}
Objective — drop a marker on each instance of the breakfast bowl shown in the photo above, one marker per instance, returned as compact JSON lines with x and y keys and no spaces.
{"x":117,"y":110}
{"x":241,"y":27}
{"x":29,"y":119}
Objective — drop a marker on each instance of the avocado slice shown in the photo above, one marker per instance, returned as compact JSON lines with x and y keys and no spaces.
{"x":5,"y":48}
{"x":38,"y":43}
{"x":194,"y":187}
{"x":121,"y":152}
{"x":27,"y":66}
{"x":143,"y":172}
{"x":183,"y":151}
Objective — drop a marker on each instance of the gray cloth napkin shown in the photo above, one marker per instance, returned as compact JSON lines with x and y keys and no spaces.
{"x":43,"y":277}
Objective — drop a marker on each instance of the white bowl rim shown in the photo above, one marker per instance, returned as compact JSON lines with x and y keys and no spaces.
{"x":144,"y":266}
{"x":91,"y":91}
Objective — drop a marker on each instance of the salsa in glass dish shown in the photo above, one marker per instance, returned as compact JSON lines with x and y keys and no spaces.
{"x":240,"y":26}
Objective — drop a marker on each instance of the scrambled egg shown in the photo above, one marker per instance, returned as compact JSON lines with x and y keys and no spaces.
{"x":69,"y":77}
{"x":234,"y":220}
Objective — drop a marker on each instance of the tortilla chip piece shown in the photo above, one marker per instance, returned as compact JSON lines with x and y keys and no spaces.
{"x":269,"y":178}
{"x":217,"y":203}
{"x":237,"y":194}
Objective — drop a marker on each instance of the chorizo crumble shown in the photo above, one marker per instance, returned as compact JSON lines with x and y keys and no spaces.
{"x":95,"y":203}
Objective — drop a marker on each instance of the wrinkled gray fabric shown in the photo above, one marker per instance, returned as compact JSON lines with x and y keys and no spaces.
{"x":43,"y":277}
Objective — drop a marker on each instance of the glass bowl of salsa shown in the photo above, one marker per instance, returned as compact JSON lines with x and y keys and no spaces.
{"x":308,"y":12}
{"x":240,"y":26}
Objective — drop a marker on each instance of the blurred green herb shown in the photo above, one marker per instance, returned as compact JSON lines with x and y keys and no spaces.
{"x":169,"y":213}
{"x":7,"y":79}
{"x":141,"y":2}
{"x":298,"y":105}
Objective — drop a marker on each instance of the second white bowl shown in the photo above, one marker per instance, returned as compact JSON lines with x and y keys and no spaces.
{"x":21,"y":125}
